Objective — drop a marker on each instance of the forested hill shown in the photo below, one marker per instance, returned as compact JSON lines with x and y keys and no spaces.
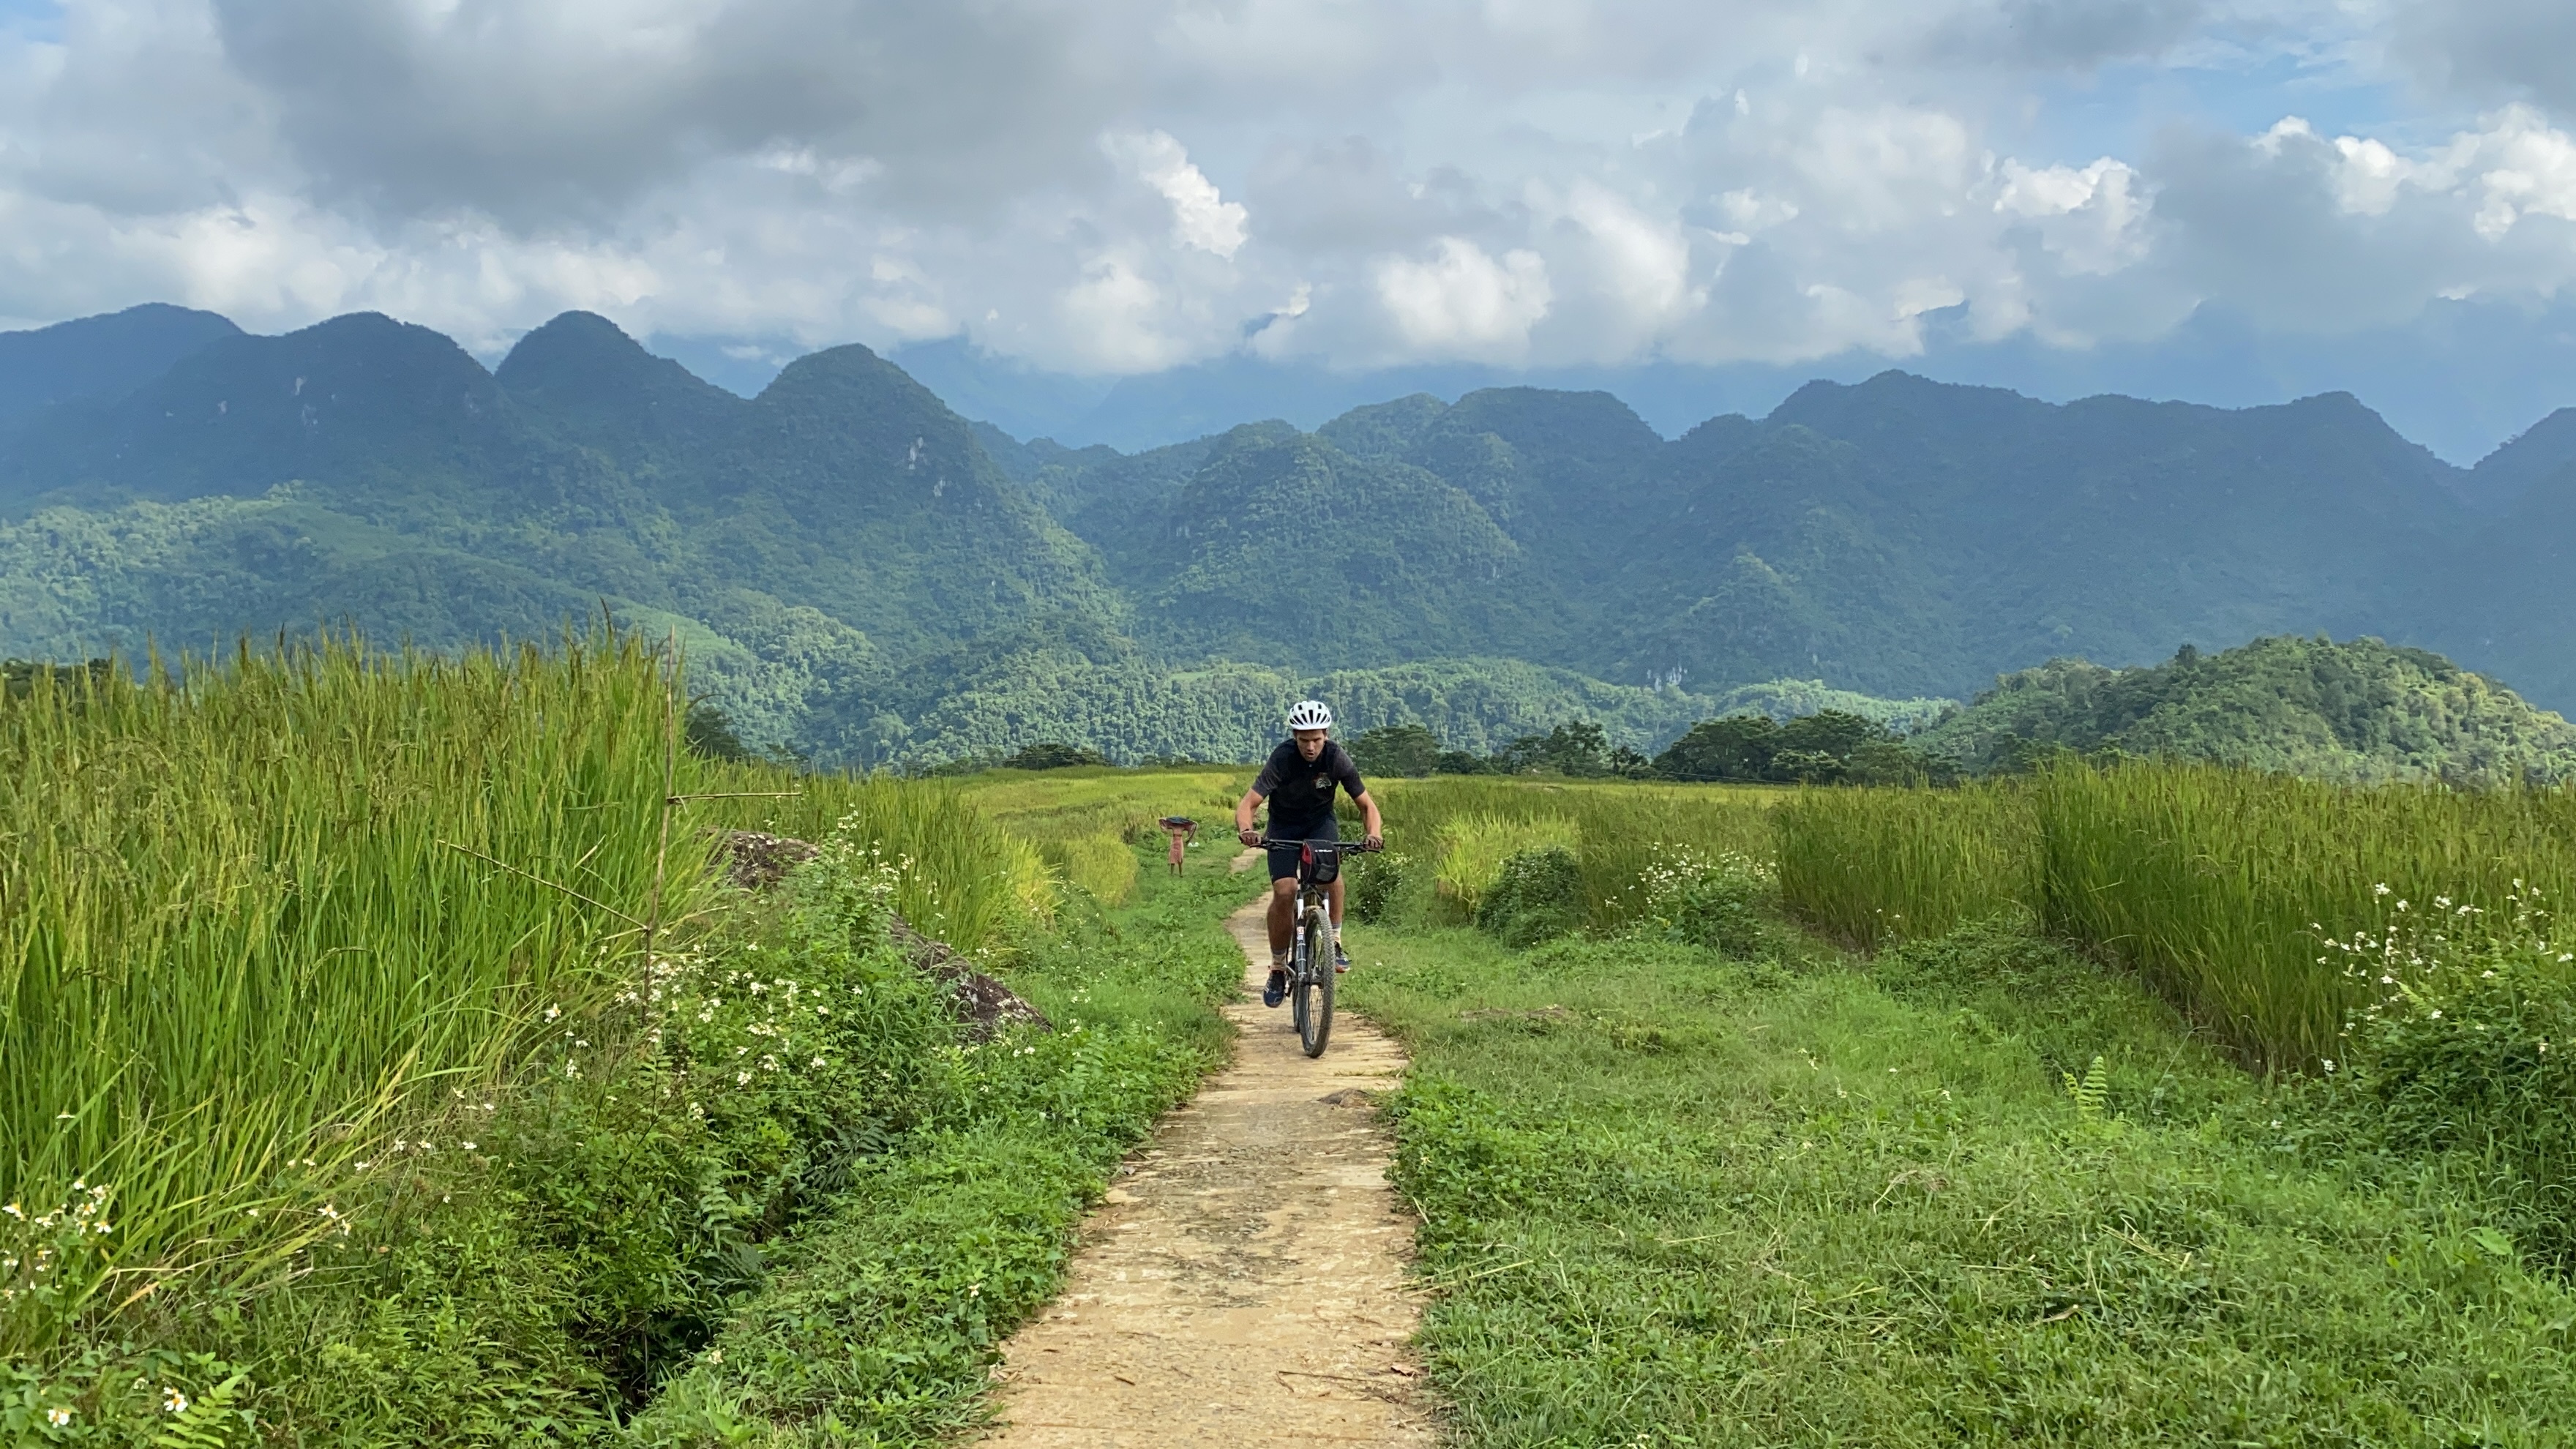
{"x":862,"y":574}
{"x":2363,"y":711}
{"x":1899,"y":536}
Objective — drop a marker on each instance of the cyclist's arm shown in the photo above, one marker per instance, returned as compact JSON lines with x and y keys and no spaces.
{"x":1243,"y":809}
{"x":1367,"y":802}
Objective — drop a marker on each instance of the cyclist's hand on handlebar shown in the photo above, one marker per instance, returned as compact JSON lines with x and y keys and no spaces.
{"x":1248,"y":837}
{"x":1374,"y":842}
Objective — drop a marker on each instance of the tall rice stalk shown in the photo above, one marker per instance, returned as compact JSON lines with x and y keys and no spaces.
{"x":2213,"y":883}
{"x":253,"y":913}
{"x":1621,"y":828}
{"x":1873,"y":865}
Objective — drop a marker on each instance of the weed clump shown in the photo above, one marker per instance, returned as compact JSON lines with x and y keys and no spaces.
{"x":1716,"y":900}
{"x":1536,"y":896}
{"x":2462,"y":1050}
{"x":1376,"y":884}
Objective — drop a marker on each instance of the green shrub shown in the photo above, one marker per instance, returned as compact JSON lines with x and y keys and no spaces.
{"x":1615,"y":830}
{"x":2464,"y":1048}
{"x":1536,"y":896}
{"x":1053,"y":755}
{"x":1474,"y":847}
{"x":1376,"y":881}
{"x":1714,"y":901}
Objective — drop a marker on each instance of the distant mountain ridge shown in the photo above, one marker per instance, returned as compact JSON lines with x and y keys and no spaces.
{"x":1898,"y":536}
{"x":862,"y":574}
{"x":99,"y":359}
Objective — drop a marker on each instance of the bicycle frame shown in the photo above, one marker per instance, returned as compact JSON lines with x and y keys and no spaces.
{"x":1310,"y":961}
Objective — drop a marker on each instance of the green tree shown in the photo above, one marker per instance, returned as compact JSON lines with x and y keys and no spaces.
{"x":1736,"y":747}
{"x":1053,"y":755}
{"x":1403,"y":750}
{"x":1579,"y":748}
{"x":710,"y":733}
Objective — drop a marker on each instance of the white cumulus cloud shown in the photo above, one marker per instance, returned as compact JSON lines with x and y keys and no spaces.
{"x":1118,"y":186}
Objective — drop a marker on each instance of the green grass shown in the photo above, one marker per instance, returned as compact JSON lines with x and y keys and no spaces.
{"x":1674,"y":1199}
{"x":1870,"y":866}
{"x":324,"y":993}
{"x":2214,"y":884}
{"x":1620,"y":829}
{"x":245,"y":921}
{"x":884,"y":1314}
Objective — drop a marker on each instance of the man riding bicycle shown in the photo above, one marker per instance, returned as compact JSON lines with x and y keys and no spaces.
{"x":1298,"y":781}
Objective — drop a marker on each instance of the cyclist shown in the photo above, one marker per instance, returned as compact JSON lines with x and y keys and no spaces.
{"x":1298,"y":781}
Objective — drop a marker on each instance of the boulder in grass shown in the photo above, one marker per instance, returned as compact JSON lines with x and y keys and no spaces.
{"x":756,"y":861}
{"x":984,"y":1004}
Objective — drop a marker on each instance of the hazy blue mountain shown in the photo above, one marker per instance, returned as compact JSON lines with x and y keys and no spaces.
{"x":2506,"y":476}
{"x":807,"y":542}
{"x":2114,"y":528}
{"x":1897,"y":536}
{"x":99,"y":359}
{"x":2501,"y":600}
{"x":2459,"y":376}
{"x":859,"y":570}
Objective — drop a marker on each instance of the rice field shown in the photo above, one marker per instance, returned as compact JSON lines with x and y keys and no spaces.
{"x":2216,"y":885}
{"x":1085,"y":822}
{"x":257,"y":915}
{"x":1463,"y":827}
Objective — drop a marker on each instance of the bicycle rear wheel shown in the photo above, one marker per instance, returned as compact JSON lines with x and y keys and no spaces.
{"x":1314,"y":984}
{"x":1301,"y":958}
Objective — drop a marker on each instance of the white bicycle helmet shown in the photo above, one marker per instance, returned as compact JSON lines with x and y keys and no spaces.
{"x":1310,"y":714}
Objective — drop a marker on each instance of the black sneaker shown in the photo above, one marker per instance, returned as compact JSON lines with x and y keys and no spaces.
{"x":1341,"y":962}
{"x":1276,"y":990}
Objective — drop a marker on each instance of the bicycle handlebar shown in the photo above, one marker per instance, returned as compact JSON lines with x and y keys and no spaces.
{"x":1358,"y":845}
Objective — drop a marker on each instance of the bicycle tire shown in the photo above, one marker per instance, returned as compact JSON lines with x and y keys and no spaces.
{"x":1315,"y":984}
{"x":1298,"y":962}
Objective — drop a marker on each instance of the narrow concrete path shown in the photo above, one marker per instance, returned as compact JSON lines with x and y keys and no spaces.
{"x":1245,"y":1282}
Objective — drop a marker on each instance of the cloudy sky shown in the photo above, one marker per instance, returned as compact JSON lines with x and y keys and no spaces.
{"x":1128,"y":188}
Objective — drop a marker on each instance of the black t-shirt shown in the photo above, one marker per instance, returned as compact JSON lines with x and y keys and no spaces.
{"x":1300,"y":792}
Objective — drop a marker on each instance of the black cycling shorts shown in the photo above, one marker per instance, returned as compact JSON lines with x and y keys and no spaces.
{"x":1284,"y":854}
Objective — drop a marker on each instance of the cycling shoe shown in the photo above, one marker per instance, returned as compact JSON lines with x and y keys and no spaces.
{"x":1276,"y":990}
{"x":1341,"y":962}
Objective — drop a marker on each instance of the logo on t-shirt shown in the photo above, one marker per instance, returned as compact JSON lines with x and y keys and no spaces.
{"x":1324,"y":783}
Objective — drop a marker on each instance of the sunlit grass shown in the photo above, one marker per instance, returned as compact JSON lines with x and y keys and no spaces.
{"x":2215,"y":884}
{"x":1620,"y":828}
{"x":254,"y":911}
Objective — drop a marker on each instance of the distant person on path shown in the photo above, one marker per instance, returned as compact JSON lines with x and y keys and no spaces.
{"x":1184,"y":832}
{"x":1298,"y":780}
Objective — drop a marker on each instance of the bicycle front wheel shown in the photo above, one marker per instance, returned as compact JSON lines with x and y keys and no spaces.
{"x":1314,"y":984}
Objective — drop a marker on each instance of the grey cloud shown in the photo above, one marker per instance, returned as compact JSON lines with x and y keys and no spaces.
{"x":2068,"y":34}
{"x":2489,"y":49}
{"x":2264,"y":228}
{"x":891,"y":170}
{"x":532,"y":112}
{"x":1349,"y":195}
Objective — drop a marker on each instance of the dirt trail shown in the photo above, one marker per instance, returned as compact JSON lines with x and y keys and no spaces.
{"x":1244,"y":1284}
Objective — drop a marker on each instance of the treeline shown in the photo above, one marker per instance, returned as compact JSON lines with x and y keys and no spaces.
{"x":1829,"y":747}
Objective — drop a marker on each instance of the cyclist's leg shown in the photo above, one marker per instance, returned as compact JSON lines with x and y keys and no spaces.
{"x":1336,"y":890}
{"x":1283,"y":899}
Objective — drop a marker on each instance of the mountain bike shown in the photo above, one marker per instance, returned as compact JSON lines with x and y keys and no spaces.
{"x":1310,"y":952}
